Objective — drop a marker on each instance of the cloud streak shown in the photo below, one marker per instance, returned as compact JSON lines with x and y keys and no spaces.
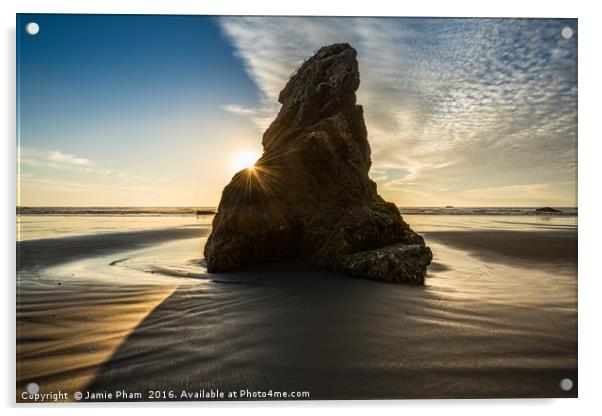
{"x":66,"y":159}
{"x":53,"y":159}
{"x":57,"y":160}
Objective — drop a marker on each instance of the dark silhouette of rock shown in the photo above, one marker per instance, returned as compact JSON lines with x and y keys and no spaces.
{"x":309,"y":196}
{"x":547,"y":210}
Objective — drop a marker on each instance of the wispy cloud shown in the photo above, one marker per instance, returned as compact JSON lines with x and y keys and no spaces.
{"x":66,"y":159}
{"x":58,"y":160}
{"x":53,"y":159}
{"x":261,"y":116}
{"x":457,"y":103}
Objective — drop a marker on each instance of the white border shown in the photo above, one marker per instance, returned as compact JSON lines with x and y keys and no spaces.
{"x":460,"y":8}
{"x":590,"y":289}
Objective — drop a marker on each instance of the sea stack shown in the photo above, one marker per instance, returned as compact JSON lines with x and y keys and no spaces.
{"x":309,"y":196}
{"x":547,"y":210}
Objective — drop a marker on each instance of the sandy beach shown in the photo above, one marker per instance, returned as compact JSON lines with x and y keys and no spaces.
{"x":136,"y":311}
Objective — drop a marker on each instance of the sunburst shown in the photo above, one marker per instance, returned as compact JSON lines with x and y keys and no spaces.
{"x":245,"y":160}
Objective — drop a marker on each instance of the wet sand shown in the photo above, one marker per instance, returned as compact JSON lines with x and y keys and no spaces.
{"x":549,"y":247}
{"x":495,"y":319}
{"x":66,"y":335}
{"x":45,"y":252}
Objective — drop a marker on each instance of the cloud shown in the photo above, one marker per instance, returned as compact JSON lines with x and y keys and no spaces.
{"x":261,"y":116}
{"x":58,"y":160}
{"x":52,"y":159}
{"x":65,"y":159}
{"x":487,"y":100}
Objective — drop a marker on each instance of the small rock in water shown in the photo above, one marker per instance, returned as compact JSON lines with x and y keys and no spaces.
{"x":547,"y":209}
{"x":309,"y":196}
{"x":204,"y":212}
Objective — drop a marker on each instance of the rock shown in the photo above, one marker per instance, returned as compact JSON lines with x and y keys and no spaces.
{"x":309,"y":196}
{"x":547,"y":210}
{"x":204,"y":212}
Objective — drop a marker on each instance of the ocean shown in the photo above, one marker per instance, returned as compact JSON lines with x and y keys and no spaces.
{"x":51,"y":222}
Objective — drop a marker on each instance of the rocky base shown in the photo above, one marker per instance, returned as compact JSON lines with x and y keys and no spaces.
{"x":400,"y":263}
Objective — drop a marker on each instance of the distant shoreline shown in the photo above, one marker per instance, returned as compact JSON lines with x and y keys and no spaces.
{"x":194,"y":211}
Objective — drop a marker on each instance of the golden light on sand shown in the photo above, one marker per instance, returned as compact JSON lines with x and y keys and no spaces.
{"x":245,"y":160}
{"x":69,"y":356}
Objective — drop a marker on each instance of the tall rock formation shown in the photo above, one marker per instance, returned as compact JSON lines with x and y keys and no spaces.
{"x":309,"y":196}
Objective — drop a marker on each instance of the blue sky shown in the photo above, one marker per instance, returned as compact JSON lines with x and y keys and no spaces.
{"x":153,"y":110}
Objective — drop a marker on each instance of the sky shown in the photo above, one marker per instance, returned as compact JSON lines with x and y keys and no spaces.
{"x":157,"y":110}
